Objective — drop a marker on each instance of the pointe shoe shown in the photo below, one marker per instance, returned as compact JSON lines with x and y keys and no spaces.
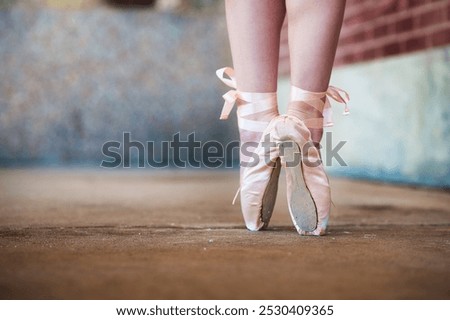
{"x":308,"y":188}
{"x":259,"y":169}
{"x":296,"y":153}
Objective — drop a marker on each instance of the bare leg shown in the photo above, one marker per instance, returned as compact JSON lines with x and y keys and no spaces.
{"x":314,"y":27}
{"x":254,"y":28}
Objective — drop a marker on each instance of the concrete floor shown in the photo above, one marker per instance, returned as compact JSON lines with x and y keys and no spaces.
{"x":143,"y":234}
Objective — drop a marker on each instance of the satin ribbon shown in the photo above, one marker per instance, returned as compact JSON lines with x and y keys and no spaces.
{"x":337,"y":95}
{"x":231,"y":96}
{"x":314,"y":99}
{"x":332,"y":92}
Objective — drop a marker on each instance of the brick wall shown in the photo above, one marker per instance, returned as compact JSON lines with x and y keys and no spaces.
{"x":375,"y":29}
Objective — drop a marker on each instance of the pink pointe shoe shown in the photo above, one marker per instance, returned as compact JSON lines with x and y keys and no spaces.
{"x":259,"y":170}
{"x":308,"y":189}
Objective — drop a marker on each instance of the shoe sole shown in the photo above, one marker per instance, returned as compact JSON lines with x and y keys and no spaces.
{"x":270,"y":195}
{"x":301,"y":205}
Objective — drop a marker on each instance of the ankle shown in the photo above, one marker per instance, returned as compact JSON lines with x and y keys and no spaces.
{"x":307,"y":106}
{"x":299,"y":94}
{"x":252,"y":97}
{"x":257,"y":106}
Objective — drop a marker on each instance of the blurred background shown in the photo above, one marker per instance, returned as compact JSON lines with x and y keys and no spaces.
{"x":78,"y":73}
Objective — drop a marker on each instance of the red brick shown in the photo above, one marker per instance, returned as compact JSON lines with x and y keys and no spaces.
{"x":348,"y":59}
{"x":380,"y":31}
{"x":345,"y":41}
{"x":359,"y":37}
{"x":353,"y":20}
{"x":416,"y":3}
{"x":383,"y":9}
{"x":358,"y":56}
{"x":391,"y":17}
{"x":448,"y":11}
{"x":368,"y":34}
{"x":391,"y":49}
{"x":354,"y":3}
{"x":378,"y":53}
{"x":441,"y":38}
{"x":431,"y":17}
{"x":366,"y":14}
{"x":404,"y":25}
{"x":369,"y":54}
{"x":402,"y":4}
{"x":415,"y":44}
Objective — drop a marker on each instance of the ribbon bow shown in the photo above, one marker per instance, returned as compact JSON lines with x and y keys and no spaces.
{"x":337,"y":95}
{"x":231,"y":96}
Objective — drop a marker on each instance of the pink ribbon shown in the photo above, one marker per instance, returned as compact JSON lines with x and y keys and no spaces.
{"x":231,"y":96}
{"x":337,"y":95}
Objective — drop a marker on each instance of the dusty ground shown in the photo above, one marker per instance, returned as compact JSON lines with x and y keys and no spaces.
{"x":76,"y":234}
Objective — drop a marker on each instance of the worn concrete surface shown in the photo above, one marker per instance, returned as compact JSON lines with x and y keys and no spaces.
{"x":76,"y":234}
